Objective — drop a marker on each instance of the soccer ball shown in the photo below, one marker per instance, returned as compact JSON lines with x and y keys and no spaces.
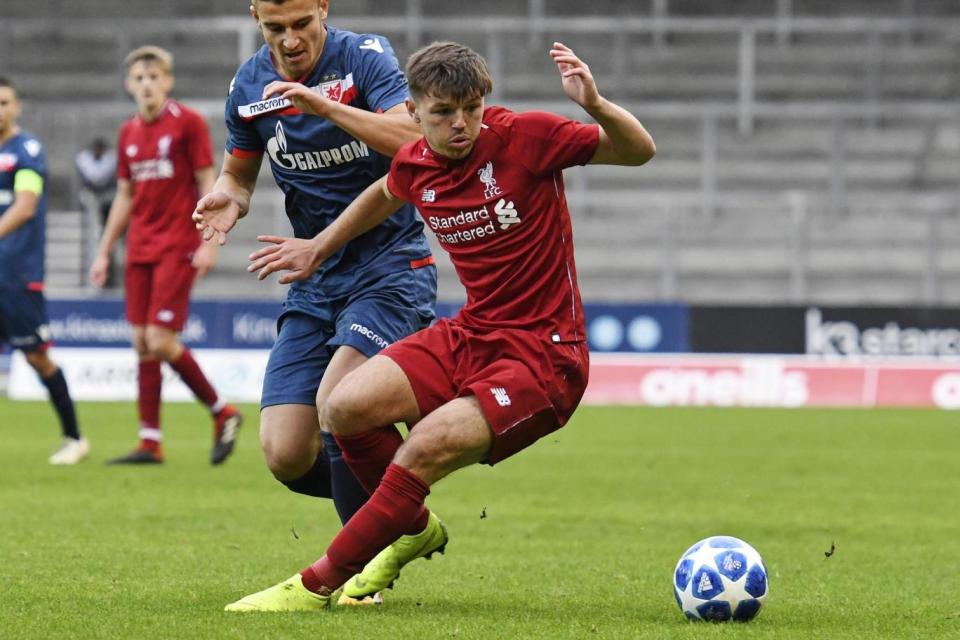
{"x":720,"y":578}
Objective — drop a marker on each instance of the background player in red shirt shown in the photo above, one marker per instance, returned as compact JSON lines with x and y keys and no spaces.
{"x":164,"y":163}
{"x":512,"y":366}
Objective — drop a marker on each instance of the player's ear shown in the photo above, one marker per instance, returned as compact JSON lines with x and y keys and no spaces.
{"x":324,"y":6}
{"x":412,"y":110}
{"x":253,"y":13}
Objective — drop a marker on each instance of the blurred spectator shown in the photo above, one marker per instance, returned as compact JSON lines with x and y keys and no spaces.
{"x":97,"y":167}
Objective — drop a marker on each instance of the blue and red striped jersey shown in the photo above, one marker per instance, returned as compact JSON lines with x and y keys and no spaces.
{"x":321,"y":168}
{"x":22,"y":252}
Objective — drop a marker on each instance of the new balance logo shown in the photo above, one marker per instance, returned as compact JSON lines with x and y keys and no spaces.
{"x":506,"y":214}
{"x":500,"y":394}
{"x":429,"y":195}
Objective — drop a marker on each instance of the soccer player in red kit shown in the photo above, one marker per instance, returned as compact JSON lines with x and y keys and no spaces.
{"x":164,"y":163}
{"x":512,"y":366}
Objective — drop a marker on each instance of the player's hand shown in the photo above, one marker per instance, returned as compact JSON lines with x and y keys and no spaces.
{"x":297,"y":256}
{"x":306,"y":100}
{"x":215,"y":215}
{"x":578,"y":82}
{"x":99,"y":270}
{"x":205,"y":258}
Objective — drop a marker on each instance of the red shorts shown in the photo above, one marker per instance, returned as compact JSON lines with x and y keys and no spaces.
{"x":159,"y":293}
{"x":526,"y":385}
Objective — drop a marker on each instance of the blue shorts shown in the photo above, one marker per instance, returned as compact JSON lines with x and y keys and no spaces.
{"x":23,"y":319}
{"x":382,"y":313}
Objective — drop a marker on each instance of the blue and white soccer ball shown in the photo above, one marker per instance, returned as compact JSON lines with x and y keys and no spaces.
{"x":720,"y":578}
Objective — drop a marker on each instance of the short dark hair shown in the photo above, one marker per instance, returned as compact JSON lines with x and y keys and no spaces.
{"x":7,"y":83}
{"x":448,"y":70}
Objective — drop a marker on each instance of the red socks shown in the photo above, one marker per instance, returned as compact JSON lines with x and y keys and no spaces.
{"x":149,"y":382}
{"x":191,"y":374}
{"x":369,"y":453}
{"x":392,"y":511}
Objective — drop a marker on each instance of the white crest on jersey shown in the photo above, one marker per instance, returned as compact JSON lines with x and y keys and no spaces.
{"x":32,"y":147}
{"x":489,"y":182}
{"x":372,"y":44}
{"x":163,"y":146}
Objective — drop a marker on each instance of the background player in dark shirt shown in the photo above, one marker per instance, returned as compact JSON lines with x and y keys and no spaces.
{"x":325,"y":108}
{"x":23,"y":311}
{"x":513,"y":365}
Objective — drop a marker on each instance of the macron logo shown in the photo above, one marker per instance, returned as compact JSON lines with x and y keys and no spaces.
{"x":367,"y":333}
{"x":372,"y":44}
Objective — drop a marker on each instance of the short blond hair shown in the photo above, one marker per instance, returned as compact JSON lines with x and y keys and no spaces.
{"x":152,"y":55}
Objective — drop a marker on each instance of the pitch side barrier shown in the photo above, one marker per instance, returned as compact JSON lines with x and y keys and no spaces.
{"x":656,"y":355}
{"x":231,"y":340}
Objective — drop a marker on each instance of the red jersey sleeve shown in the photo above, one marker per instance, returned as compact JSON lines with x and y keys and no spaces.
{"x":199,"y":145}
{"x":123,"y":167}
{"x":545,"y":142}
{"x":399,"y":178}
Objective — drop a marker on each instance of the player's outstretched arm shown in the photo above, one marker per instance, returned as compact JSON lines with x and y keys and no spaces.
{"x":623,"y":140}
{"x":229,"y":199}
{"x":117,"y":221}
{"x":301,"y":257}
{"x":386,"y":132}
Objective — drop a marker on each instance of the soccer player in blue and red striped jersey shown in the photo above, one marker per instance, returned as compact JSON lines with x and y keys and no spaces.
{"x":325,"y":107}
{"x":23,"y":309}
{"x":512,"y":366}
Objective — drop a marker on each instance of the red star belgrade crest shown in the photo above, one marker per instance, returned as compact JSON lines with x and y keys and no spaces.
{"x":339,"y":90}
{"x":332,"y":90}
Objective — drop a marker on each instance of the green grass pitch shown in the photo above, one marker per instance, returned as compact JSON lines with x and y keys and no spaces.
{"x":576,"y":537}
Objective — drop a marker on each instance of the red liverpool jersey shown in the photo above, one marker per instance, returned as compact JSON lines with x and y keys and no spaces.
{"x":502,"y":216}
{"x":159,"y":159}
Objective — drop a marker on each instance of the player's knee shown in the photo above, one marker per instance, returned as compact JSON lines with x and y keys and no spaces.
{"x":140,"y":346}
{"x":286,"y":462}
{"x":158,"y":345}
{"x":343,"y":413}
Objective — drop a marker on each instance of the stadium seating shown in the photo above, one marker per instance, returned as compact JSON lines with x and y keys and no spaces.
{"x":829,"y":175}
